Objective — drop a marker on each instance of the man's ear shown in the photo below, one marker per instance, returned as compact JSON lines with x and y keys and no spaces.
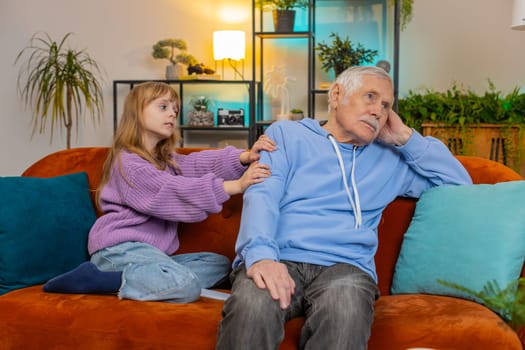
{"x":334,"y":95}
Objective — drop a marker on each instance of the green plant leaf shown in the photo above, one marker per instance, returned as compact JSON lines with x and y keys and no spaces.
{"x":173,"y":50}
{"x":508,"y":303}
{"x":463,"y":106}
{"x":281,"y":4}
{"x":342,"y":53}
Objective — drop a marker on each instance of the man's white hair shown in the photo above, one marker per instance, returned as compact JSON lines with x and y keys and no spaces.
{"x":351,"y":79}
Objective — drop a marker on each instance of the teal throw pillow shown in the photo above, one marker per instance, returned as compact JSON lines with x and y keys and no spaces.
{"x":44,"y":224}
{"x":468,"y":235}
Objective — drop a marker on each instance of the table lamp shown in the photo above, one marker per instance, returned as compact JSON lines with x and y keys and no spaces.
{"x":230,"y":46}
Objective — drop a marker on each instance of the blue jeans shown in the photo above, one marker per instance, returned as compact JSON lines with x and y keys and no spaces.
{"x":337,"y":302}
{"x":150,"y":274}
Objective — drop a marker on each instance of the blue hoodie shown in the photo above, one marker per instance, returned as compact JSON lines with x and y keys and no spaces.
{"x":303,"y":213}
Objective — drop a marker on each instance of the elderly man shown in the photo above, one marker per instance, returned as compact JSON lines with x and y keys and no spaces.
{"x":308,"y":233}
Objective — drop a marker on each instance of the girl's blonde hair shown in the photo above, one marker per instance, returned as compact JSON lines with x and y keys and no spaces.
{"x":130,"y":132}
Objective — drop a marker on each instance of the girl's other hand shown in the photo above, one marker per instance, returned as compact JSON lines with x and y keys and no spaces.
{"x":264,"y":143}
{"x":256,"y":173}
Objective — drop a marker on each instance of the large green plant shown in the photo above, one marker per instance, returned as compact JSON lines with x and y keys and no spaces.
{"x":341,"y":54}
{"x":59,"y":82}
{"x":458,"y":106}
{"x":463,"y":120}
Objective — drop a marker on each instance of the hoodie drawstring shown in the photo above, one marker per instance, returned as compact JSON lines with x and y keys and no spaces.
{"x":354,"y":201}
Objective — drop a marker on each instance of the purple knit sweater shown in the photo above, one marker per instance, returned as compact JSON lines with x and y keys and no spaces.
{"x":147,"y":204}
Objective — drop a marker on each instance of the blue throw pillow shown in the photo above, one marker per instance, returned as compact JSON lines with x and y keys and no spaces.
{"x":468,"y":235}
{"x":44,"y":224}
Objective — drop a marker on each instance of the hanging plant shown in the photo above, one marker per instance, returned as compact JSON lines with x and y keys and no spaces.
{"x":406,"y":11}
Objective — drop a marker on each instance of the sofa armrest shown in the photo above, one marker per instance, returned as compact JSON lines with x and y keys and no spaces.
{"x":74,"y":160}
{"x":398,"y":214}
{"x":486,"y":171}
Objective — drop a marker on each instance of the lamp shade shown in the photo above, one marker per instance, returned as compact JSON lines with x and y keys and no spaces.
{"x":518,"y":15}
{"x":229,"y":44}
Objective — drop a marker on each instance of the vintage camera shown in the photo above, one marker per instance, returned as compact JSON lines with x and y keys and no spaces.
{"x":230,"y":117}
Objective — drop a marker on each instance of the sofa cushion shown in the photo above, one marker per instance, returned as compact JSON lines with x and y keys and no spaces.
{"x":437,"y":322}
{"x":468,"y":235}
{"x":44,"y":223}
{"x":33,"y":319}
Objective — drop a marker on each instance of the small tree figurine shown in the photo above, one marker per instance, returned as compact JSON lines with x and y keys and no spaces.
{"x":341,"y":54}
{"x":167,"y":49}
{"x":275,"y":84}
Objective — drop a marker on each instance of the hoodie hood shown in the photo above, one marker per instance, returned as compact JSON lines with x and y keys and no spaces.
{"x":314,"y":126}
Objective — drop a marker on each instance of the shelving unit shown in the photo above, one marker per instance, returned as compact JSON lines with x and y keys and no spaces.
{"x":262,"y":32}
{"x":249,"y":129}
{"x":309,"y":31}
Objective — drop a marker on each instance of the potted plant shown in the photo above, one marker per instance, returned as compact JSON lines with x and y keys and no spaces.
{"x":200,"y":116}
{"x":59,"y":81}
{"x":489,"y":125}
{"x":296,"y":114}
{"x":174,"y":50}
{"x":341,"y":54}
{"x":283,"y":12}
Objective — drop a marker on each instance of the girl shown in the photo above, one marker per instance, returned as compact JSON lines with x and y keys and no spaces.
{"x":145,"y":190}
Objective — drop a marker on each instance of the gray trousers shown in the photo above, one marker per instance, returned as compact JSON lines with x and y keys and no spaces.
{"x":337,"y":302}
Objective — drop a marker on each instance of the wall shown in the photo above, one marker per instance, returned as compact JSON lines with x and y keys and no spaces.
{"x":119,"y":35}
{"x":462,"y":40}
{"x":467,"y":41}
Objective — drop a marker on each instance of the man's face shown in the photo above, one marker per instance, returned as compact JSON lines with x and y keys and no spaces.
{"x":359,"y":117}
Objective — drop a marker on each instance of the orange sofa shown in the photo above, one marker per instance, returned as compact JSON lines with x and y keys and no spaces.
{"x":32,"y":319}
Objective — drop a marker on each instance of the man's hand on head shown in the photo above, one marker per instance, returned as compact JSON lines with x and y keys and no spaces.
{"x":394,"y":132}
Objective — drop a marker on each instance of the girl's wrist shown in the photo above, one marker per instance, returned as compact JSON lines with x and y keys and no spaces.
{"x":232,"y":187}
{"x":245,"y":158}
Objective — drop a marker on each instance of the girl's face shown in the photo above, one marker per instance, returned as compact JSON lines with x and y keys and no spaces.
{"x":160,"y":118}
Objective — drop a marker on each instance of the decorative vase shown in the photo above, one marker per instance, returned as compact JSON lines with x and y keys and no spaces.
{"x":176,"y":71}
{"x":283,"y":20}
{"x":170,"y":72}
{"x":200,"y":118}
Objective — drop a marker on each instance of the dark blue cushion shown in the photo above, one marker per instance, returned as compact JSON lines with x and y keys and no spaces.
{"x":44,"y":224}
